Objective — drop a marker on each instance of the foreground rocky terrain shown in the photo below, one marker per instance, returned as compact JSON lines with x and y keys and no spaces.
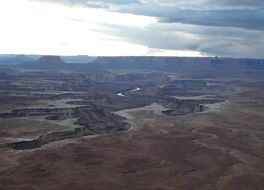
{"x":101,"y":128}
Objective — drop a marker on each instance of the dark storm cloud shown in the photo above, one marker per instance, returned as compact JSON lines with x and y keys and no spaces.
{"x":87,"y":2}
{"x":249,"y":19}
{"x":221,"y":41}
{"x":207,"y":3}
{"x":243,"y":18}
{"x":247,"y":14}
{"x":250,"y":3}
{"x":239,"y":2}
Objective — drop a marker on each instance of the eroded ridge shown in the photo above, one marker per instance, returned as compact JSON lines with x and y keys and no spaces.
{"x":181,"y":106}
{"x":91,"y":119}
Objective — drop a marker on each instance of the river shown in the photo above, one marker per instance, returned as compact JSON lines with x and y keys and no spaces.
{"x":134,"y":90}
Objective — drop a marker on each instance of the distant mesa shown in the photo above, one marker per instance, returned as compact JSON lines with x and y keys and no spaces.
{"x":14,"y":59}
{"x":50,"y":59}
{"x":21,"y":57}
{"x":45,"y":62}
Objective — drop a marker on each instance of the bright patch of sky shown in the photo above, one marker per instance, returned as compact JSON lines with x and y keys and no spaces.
{"x":44,"y":28}
{"x":230,"y":28}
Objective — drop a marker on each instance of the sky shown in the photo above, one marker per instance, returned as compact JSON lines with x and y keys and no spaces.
{"x":225,"y":28}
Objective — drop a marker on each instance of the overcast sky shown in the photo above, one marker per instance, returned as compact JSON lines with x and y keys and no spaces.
{"x":230,"y":28}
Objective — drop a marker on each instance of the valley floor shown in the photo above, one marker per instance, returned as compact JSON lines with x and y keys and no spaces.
{"x":80,"y":134}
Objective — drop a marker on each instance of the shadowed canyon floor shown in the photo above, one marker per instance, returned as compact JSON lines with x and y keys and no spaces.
{"x":131,"y":130}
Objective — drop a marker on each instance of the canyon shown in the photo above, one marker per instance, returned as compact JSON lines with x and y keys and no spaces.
{"x":132,"y":123}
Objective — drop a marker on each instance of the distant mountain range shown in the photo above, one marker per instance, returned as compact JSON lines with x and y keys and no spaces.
{"x":9,"y":59}
{"x":188,"y":66}
{"x":15,"y":59}
{"x":205,"y":66}
{"x":58,"y":63}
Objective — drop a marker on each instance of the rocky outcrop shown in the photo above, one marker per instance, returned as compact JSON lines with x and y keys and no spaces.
{"x":177,"y":106}
{"x":115,"y":124}
{"x":49,"y":138}
{"x":192,"y":87}
{"x":39,"y":112}
{"x":100,"y":100}
{"x":93,"y":120}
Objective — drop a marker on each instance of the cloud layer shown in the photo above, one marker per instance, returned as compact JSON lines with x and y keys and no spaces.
{"x":247,"y":14}
{"x":233,"y":28}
